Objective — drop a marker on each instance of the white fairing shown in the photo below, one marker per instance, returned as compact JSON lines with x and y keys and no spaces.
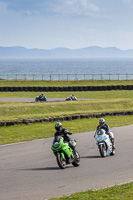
{"x":103,"y":137}
{"x":111,"y":135}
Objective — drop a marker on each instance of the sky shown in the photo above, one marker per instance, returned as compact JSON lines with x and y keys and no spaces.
{"x":73,"y":24}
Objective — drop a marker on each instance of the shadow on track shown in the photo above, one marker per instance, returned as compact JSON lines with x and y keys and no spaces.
{"x":45,"y":168}
{"x":90,"y":157}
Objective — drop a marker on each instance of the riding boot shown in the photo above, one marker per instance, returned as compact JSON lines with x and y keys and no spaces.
{"x":113,"y":146}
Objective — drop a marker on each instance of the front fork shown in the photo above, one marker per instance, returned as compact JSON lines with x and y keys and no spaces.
{"x":62,"y":155}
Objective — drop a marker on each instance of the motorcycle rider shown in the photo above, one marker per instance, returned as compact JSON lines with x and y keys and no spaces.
{"x":41,"y":96}
{"x":63,"y":133}
{"x":103,"y":125}
{"x":72,"y":97}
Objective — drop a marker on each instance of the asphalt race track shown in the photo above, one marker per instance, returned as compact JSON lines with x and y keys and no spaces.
{"x":32,"y":100}
{"x":28,"y":171}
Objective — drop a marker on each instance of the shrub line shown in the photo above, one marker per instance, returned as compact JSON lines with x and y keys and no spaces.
{"x":65,"y":118}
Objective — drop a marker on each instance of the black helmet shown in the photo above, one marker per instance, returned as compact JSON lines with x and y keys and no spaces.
{"x":58,"y":126}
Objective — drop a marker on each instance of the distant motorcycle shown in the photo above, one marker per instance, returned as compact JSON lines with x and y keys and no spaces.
{"x":71,"y":99}
{"x":64,"y":154}
{"x":104,"y":144}
{"x":40,"y":99}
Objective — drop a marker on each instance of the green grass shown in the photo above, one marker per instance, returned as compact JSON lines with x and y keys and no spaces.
{"x":19,"y":133}
{"x":107,"y":101}
{"x":20,"y":83}
{"x":20,"y":111}
{"x":123,"y":192}
{"x":88,"y":94}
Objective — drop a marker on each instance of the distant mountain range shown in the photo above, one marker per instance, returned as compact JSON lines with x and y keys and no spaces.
{"x":89,"y":52}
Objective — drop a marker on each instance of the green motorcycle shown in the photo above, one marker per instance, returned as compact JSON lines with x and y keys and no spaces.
{"x":64,"y":154}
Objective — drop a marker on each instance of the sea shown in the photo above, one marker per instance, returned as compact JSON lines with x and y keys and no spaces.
{"x":55,"y":69}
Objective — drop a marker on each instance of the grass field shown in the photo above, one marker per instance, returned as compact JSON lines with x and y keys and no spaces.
{"x":20,"y":111}
{"x":19,"y":133}
{"x":123,"y":192}
{"x":20,"y":83}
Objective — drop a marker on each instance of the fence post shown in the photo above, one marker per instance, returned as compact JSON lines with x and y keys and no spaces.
{"x":126,"y":77}
{"x":50,"y":77}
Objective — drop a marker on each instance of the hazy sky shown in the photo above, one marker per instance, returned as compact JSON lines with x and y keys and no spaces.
{"x":73,"y":24}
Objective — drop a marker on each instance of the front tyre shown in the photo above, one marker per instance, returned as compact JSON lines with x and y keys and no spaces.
{"x":113,"y":152}
{"x":102,"y":150}
{"x":61,"y":162}
{"x":76,"y":162}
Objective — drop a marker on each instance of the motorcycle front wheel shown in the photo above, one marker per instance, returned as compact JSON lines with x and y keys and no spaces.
{"x":113,"y":152}
{"x":61,"y":162}
{"x":102,"y":150}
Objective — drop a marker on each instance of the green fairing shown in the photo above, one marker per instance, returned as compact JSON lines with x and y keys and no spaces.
{"x":63,"y":148}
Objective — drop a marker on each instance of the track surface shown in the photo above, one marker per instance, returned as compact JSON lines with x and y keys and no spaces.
{"x":28,"y":171}
{"x":32,"y":100}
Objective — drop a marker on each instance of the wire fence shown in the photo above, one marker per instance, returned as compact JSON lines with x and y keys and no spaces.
{"x":66,"y":77}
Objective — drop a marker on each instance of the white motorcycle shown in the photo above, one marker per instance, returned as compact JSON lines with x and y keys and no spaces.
{"x":104,"y":144}
{"x":71,"y":99}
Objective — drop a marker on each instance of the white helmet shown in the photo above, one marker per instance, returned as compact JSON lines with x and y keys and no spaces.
{"x":101,"y":121}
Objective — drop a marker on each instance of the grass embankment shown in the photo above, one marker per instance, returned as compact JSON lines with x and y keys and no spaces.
{"x":21,"y":83}
{"x":19,"y":133}
{"x":20,"y":111}
{"x":123,"y":192}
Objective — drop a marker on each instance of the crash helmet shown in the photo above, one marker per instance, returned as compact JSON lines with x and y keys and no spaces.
{"x":42,"y":94}
{"x":58,"y":126}
{"x":101,"y":121}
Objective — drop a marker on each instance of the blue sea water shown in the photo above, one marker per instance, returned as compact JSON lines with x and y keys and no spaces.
{"x":66,"y":66}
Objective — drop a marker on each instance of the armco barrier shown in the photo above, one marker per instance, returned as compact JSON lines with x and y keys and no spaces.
{"x":65,"y":118}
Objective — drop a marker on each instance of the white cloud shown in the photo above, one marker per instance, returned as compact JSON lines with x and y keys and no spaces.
{"x":75,"y":7}
{"x":71,"y":7}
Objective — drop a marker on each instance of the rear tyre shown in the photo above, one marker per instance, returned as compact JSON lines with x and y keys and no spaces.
{"x":76,"y":162}
{"x":102,"y":150}
{"x":61,"y":162}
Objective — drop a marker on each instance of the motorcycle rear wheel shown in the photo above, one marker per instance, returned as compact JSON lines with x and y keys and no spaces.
{"x":76,"y":162}
{"x":61,"y":162}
